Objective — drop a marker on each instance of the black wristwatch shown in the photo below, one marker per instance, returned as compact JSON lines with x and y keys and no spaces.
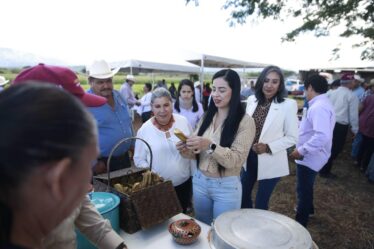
{"x":121,"y":246}
{"x":212,"y":147}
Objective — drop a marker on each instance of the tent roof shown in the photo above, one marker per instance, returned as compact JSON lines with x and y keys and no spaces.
{"x":148,"y":66}
{"x":221,"y":62}
{"x":342,"y":69}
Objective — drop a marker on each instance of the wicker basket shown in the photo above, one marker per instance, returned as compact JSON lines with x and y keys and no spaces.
{"x":146,"y":207}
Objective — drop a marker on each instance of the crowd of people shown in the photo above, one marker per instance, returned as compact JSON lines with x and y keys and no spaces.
{"x":51,"y":148}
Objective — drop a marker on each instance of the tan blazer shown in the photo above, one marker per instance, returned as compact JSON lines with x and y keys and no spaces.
{"x":280,"y":132}
{"x":90,"y":223}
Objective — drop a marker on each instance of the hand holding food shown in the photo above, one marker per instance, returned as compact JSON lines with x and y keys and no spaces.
{"x":180,"y":135}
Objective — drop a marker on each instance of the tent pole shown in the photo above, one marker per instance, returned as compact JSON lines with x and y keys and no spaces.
{"x":153,"y":81}
{"x":202,"y":78}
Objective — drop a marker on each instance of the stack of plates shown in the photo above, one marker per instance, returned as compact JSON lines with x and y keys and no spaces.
{"x":258,"y":229}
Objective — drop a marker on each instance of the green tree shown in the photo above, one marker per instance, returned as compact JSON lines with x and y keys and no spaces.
{"x":319,"y":16}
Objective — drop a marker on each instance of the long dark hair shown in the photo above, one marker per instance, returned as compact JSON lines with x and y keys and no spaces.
{"x":279,"y":97}
{"x":235,"y":115}
{"x":186,"y":82}
{"x":40,"y":123}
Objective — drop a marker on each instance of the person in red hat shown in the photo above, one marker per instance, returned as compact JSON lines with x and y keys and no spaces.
{"x":45,"y":161}
{"x":85,"y":217}
{"x":346,"y":110}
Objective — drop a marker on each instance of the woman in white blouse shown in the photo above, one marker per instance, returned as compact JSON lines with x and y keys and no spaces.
{"x":159,"y":134}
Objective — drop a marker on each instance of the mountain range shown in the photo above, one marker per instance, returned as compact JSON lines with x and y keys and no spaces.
{"x":10,"y":58}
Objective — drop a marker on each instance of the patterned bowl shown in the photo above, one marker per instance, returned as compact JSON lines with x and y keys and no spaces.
{"x":185,"y":231}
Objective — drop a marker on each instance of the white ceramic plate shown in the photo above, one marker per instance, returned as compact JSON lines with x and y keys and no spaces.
{"x":259,"y":229}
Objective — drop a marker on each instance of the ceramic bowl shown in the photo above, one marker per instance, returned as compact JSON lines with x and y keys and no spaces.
{"x":185,"y":231}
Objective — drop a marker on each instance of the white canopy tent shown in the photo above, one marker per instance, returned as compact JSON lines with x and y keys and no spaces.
{"x":211,"y":61}
{"x":134,"y":66}
{"x":137,"y":66}
{"x":221,"y":62}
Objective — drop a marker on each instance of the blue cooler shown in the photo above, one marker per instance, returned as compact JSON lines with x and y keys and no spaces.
{"x":108,"y":206}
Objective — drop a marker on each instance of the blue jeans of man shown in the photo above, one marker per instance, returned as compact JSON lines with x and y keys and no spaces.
{"x":356,"y":144}
{"x":305,"y":184}
{"x":249,"y":178}
{"x":213,"y":196}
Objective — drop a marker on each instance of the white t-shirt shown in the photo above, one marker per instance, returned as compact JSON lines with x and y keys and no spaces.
{"x":167,"y":161}
{"x":346,"y":107}
{"x":145,"y":102}
{"x":192,"y":117}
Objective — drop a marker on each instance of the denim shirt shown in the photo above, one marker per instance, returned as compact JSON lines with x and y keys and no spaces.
{"x":113,"y":125}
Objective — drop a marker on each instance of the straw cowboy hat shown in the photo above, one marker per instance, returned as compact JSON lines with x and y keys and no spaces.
{"x":101,"y":70}
{"x":3,"y":81}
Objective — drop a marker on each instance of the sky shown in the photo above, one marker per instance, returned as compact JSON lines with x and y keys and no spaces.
{"x":81,"y":31}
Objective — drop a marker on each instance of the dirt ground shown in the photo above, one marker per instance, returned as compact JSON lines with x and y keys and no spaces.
{"x":344,"y":207}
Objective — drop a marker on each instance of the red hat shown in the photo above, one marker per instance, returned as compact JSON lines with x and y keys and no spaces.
{"x":347,"y":77}
{"x":60,"y":76}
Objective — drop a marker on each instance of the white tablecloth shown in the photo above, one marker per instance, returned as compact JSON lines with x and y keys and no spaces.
{"x":159,"y":237}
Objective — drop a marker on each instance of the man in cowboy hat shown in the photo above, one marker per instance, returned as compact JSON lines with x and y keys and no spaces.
{"x":127,"y":92}
{"x":3,"y":82}
{"x":113,"y":119}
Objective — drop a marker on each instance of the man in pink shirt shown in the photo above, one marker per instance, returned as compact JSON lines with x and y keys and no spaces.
{"x":314,"y":146}
{"x":127,"y":92}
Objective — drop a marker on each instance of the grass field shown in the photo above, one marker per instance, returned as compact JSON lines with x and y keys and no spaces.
{"x":118,"y":79}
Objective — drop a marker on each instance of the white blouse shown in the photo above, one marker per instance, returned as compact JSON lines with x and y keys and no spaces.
{"x":167,"y":161}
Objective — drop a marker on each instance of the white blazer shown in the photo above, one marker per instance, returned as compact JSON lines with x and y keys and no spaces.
{"x":280,"y":131}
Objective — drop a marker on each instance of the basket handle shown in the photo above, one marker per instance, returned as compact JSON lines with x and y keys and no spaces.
{"x":119,"y":143}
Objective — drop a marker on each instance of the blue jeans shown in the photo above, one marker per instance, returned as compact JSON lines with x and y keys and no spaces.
{"x":305,"y":183}
{"x":356,"y":145}
{"x":214,"y":196}
{"x":249,"y":178}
